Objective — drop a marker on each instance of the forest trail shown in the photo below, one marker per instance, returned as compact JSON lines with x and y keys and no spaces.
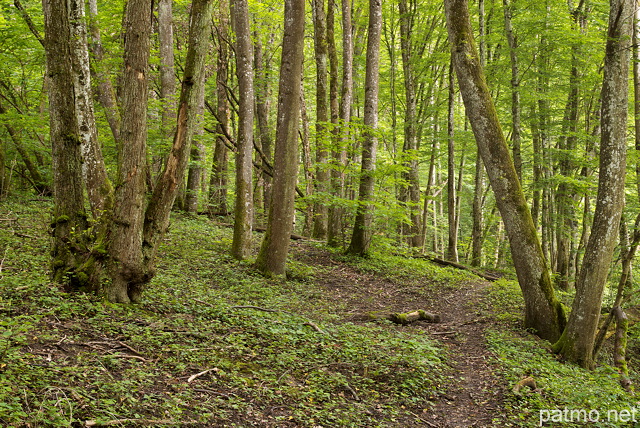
{"x":472,"y":393}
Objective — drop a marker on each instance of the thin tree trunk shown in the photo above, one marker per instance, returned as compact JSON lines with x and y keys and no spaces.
{"x":243,"y":224}
{"x":196,"y":167}
{"x":272,"y":257}
{"x":410,"y":148}
{"x":577,"y":341}
{"x":104,"y":86}
{"x":543,"y":312}
{"x":167,"y":72}
{"x":262,"y":115}
{"x":361,"y":238}
{"x":336,"y":212}
{"x":452,"y":246}
{"x":322,"y":118}
{"x":170,"y":181}
{"x":512,"y":40}
{"x":219,"y":173}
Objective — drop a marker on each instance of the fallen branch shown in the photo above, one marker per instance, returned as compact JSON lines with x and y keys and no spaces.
{"x":197,"y":375}
{"x":456,"y":265}
{"x":257,"y":308}
{"x":95,"y":423}
{"x":315,"y":327}
{"x":408,"y":317}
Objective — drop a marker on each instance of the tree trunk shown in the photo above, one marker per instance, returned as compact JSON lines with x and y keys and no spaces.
{"x":106,"y":93}
{"x":543,"y":312}
{"x":512,"y":40}
{"x":322,"y":118}
{"x":262,"y":115}
{"x":577,"y":341}
{"x":361,"y":238}
{"x":452,"y":246}
{"x":167,"y":73}
{"x":69,"y":218}
{"x":219,"y":173}
{"x":411,"y":174}
{"x":273,"y":253}
{"x":99,"y":189}
{"x":125,"y":247}
{"x":241,"y":245}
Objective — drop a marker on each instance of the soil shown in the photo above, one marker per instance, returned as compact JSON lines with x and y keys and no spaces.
{"x":474,"y":393}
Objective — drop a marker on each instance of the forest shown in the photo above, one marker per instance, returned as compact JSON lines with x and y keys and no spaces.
{"x":319,"y":213}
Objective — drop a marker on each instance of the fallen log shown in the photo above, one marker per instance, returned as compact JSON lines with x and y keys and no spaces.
{"x":456,"y":265}
{"x":408,"y":317}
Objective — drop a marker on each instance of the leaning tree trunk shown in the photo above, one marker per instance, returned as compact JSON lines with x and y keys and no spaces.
{"x":543,"y":312}
{"x":241,"y":245}
{"x":169,"y":183}
{"x":273,"y":253}
{"x":577,"y":341}
{"x":69,"y":217}
{"x":361,"y":238}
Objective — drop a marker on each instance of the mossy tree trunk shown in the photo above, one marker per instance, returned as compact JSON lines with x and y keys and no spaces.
{"x":70,"y":220}
{"x":241,"y":245}
{"x":275,"y":245}
{"x":577,"y":341}
{"x":543,"y":312}
{"x":361,"y":237}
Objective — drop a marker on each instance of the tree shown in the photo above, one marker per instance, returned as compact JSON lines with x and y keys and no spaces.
{"x":410,"y":190}
{"x":69,"y":217}
{"x":272,"y":257}
{"x":577,"y":341}
{"x":335,"y":214}
{"x":218,"y":181}
{"x":244,"y":186}
{"x":361,"y":237}
{"x":543,"y":312}
{"x":322,"y":117}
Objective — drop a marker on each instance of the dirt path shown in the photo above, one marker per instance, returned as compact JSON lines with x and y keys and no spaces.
{"x":473,"y":394}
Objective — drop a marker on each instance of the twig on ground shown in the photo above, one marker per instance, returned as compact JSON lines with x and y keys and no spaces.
{"x":315,"y":327}
{"x":95,"y":423}
{"x":197,"y":375}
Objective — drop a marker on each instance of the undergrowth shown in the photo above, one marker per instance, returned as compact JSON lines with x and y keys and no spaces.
{"x":566,"y":394}
{"x":212,"y":344}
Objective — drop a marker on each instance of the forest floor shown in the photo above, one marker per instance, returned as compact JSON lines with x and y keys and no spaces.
{"x":473,"y":393}
{"x":215,"y":344}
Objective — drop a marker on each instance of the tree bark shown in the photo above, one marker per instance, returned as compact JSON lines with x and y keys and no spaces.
{"x":104,"y":87}
{"x":125,"y":247}
{"x":219,"y":173}
{"x":361,"y":237}
{"x":577,"y":341}
{"x":543,"y":312}
{"x":336,"y":212}
{"x":241,"y":246}
{"x":411,"y":174}
{"x":69,"y":217}
{"x":272,"y":257}
{"x":99,"y":189}
{"x":452,"y":217}
{"x":167,"y":72}
{"x":322,"y":118}
{"x":512,"y":40}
